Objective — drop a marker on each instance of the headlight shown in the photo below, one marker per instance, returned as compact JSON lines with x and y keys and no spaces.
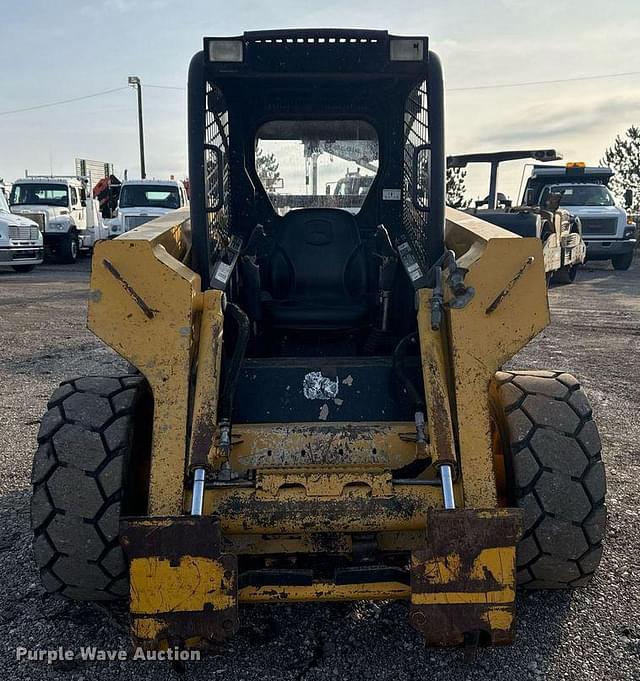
{"x":59,"y":225}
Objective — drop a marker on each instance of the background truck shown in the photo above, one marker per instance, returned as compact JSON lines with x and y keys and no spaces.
{"x":64,"y":210}
{"x":564,"y":249}
{"x":609,"y":233}
{"x":143,"y":200}
{"x":20,"y":240}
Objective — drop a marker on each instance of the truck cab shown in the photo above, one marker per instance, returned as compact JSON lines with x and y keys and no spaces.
{"x":20,"y":240}
{"x":61,"y":206}
{"x":606,"y":229}
{"x":143,"y":200}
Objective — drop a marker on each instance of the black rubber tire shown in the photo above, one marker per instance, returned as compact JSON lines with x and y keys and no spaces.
{"x":69,"y":249}
{"x":622,"y":262}
{"x":85,"y":440}
{"x":565,"y":275}
{"x":554,"y":472}
{"x":23,"y":269}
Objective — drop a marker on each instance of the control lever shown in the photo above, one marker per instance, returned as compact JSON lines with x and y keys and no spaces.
{"x":389,"y":256}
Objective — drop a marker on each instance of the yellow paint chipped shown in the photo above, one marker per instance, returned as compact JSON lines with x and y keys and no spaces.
{"x":158,"y":587}
{"x":506,"y":595}
{"x":499,"y":618}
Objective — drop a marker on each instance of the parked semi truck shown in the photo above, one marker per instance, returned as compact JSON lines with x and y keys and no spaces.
{"x":564,"y":249}
{"x":143,"y":200}
{"x":607,"y":229}
{"x":63,"y":209}
{"x":20,"y":240}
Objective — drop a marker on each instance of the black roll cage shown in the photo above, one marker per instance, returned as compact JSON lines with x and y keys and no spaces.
{"x":321,"y":75}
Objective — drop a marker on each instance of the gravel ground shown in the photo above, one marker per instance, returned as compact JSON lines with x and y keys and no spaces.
{"x":592,"y":633}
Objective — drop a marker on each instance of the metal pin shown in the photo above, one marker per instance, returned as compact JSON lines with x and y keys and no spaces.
{"x":197,"y":497}
{"x":447,"y":486}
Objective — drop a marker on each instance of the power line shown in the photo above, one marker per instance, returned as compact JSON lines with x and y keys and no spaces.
{"x":496,"y":86}
{"x":543,"y":82}
{"x":165,"y":87}
{"x":62,"y":101}
{"x":491,"y":87}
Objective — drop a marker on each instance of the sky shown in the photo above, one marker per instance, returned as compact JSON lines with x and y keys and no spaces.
{"x":58,"y":49}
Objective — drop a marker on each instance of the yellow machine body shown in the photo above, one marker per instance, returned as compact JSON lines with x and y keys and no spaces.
{"x":148,"y":306}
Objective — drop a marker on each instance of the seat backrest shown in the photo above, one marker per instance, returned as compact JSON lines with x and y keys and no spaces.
{"x":318,"y":256}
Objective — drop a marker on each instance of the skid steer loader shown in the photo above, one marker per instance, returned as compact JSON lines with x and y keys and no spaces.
{"x":319,"y":410}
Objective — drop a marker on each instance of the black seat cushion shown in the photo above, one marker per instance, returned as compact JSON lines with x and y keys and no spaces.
{"x":316,"y":275}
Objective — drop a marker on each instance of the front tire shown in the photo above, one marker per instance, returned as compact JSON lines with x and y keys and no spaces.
{"x":69,"y":249}
{"x":622,"y":262}
{"x":85,"y":442}
{"x":550,"y":451}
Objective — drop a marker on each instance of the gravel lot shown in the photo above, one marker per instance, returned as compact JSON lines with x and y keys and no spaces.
{"x":588,"y":634}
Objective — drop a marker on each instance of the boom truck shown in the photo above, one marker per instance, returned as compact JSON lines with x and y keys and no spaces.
{"x":607,"y":229}
{"x":559,"y":230}
{"x":271,"y":448}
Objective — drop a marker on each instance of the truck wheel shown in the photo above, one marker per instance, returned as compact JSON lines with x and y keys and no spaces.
{"x":622,"y":262}
{"x":23,"y":268}
{"x":550,"y":454}
{"x":85,"y":441}
{"x":68,"y":249}
{"x":565,"y":275}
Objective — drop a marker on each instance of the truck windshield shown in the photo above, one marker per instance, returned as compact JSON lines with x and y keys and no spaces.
{"x":316,"y":164}
{"x":580,"y":195}
{"x":143,"y":196}
{"x":39,"y":194}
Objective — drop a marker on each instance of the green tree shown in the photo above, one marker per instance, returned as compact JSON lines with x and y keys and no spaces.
{"x":456,"y":188}
{"x":623,"y":156}
{"x":268,"y":170}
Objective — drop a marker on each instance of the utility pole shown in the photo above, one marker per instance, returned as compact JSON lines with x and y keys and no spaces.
{"x":134,"y":82}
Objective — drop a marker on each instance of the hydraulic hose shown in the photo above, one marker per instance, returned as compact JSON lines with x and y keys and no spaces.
{"x":235,"y":364}
{"x":403,"y":381}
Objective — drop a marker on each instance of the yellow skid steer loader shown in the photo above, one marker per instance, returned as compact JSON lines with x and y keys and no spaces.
{"x":319,"y":409}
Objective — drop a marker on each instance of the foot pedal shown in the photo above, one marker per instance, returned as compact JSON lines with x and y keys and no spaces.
{"x":181,"y":584}
{"x":465,"y":579}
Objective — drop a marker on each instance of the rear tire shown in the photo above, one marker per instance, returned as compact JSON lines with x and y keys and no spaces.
{"x":554,"y":472}
{"x":69,"y":249}
{"x":622,"y":262}
{"x":78,"y":477}
{"x":23,"y":268}
{"x":565,"y":275}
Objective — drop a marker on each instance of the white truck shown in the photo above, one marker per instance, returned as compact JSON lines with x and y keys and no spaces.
{"x":607,"y":229}
{"x":20,"y":240}
{"x":560,"y":231}
{"x":64,"y":210}
{"x":143,"y":200}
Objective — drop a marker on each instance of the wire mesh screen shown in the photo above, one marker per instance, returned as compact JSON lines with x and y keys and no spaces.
{"x":416,"y":171}
{"x":216,"y":168}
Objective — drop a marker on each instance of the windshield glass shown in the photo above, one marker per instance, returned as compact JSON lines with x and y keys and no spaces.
{"x":144,"y":196}
{"x":580,"y":195}
{"x":43,"y":194}
{"x":3,"y":202}
{"x":316,"y":164}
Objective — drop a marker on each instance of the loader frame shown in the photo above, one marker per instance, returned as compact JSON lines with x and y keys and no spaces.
{"x":155,"y":300}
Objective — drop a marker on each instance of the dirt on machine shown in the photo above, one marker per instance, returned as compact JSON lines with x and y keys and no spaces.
{"x":319,"y":410}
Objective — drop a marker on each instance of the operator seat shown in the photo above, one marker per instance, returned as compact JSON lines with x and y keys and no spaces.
{"x":316,"y":274}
